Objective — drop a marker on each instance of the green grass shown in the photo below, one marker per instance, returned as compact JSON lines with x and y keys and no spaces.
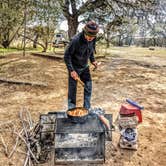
{"x":6,"y":51}
{"x":101,"y":51}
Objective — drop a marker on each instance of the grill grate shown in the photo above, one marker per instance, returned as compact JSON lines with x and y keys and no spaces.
{"x":73,"y":143}
{"x":92,"y":124}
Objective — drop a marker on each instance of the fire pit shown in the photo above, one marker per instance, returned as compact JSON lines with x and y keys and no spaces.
{"x":74,"y":142}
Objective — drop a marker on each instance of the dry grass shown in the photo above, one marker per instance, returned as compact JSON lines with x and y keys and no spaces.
{"x":133,"y":50}
{"x":134,"y":72}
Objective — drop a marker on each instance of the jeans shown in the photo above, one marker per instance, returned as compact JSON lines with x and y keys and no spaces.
{"x":86,"y":78}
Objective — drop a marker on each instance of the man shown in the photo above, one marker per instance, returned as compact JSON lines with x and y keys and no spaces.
{"x":77,"y":54}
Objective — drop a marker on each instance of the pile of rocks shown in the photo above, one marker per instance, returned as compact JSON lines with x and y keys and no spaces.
{"x":129,"y":118}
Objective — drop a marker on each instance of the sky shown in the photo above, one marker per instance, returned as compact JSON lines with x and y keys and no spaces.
{"x":64,"y":26}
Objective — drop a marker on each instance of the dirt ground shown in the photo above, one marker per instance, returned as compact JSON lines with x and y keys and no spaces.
{"x":122,"y":75}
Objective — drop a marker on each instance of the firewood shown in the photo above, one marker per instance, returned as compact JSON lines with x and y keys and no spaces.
{"x":5,"y":146}
{"x":9,"y":81}
{"x":15,"y":146}
{"x":26,"y":139}
{"x":14,"y":60}
{"x":28,"y":146}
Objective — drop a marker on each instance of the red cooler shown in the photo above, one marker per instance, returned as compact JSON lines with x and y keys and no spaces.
{"x":129,"y":110}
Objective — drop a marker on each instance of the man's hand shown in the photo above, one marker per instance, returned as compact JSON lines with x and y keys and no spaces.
{"x":95,"y":64}
{"x":74,"y":75}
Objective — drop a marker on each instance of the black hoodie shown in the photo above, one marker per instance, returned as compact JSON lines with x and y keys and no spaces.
{"x":78,"y":52}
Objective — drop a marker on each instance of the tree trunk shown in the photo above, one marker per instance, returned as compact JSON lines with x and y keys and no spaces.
{"x":42,"y":45}
{"x":35,"y":41}
{"x":107,"y":43}
{"x":72,"y":26}
{"x":131,"y":40}
{"x":108,"y":38}
{"x":120,"y":42}
{"x":44,"y":49}
{"x":6,"y":43}
{"x":45,"y":46}
{"x":6,"y":40}
{"x":154,"y":42}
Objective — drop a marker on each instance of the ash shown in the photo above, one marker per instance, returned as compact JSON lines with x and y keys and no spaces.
{"x":75,"y":140}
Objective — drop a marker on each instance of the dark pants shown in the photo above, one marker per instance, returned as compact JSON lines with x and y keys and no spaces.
{"x":86,"y":78}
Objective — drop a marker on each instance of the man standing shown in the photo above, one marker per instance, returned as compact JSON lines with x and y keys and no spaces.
{"x":77,"y":54}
